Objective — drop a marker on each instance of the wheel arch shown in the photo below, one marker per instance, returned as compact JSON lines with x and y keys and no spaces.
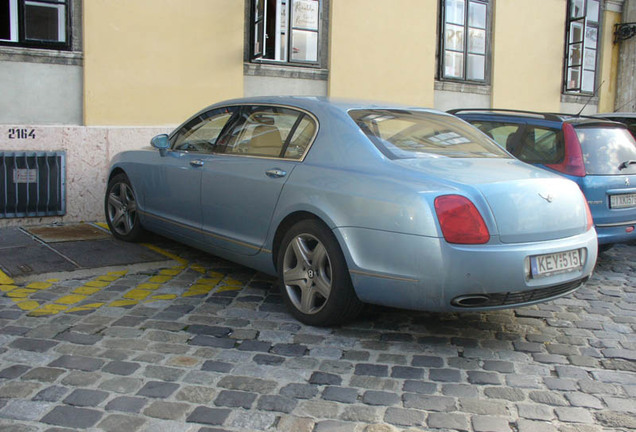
{"x":287,"y":222}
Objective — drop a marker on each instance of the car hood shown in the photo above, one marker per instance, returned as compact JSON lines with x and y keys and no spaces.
{"x":525,"y":203}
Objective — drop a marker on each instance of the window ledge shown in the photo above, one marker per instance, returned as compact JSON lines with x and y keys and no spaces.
{"x":482,"y":89}
{"x":36,"y":55}
{"x":285,"y":71}
{"x":579,"y":99}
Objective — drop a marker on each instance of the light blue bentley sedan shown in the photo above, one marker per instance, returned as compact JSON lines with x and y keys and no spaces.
{"x":352,"y":203}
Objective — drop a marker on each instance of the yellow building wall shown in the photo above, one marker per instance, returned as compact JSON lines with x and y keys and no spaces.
{"x":155,"y":62}
{"x":608,"y":62}
{"x":383,"y":50}
{"x":528,"y":50}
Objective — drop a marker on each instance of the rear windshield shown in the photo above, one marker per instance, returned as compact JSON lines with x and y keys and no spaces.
{"x":607,"y":150}
{"x":404,"y":134}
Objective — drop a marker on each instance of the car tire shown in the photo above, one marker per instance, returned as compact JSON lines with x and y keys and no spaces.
{"x":120,"y":205}
{"x":313,"y":276}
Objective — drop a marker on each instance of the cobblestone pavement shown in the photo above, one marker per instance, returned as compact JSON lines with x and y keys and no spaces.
{"x":207,"y":346}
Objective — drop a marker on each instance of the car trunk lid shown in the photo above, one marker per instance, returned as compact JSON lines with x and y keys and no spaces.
{"x":527,"y":204}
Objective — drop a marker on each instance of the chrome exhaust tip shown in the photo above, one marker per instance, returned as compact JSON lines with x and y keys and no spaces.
{"x":471,"y":301}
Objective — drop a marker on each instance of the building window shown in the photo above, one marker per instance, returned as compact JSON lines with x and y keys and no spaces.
{"x":286,"y":31}
{"x":582,"y":45}
{"x":464,"y":40}
{"x":35,"y":23}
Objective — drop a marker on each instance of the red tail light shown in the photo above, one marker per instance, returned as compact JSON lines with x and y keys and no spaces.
{"x":573,"y":158}
{"x":460,"y":220}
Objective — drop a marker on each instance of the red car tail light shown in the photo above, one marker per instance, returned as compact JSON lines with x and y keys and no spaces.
{"x":460,"y":220}
{"x":573,"y":158}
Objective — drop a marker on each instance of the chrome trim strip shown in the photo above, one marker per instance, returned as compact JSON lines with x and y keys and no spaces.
{"x":200,"y":231}
{"x":618,"y":224}
{"x":376,"y":275}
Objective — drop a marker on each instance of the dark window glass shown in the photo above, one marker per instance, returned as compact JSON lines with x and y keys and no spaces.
{"x":5,"y":20}
{"x":529,"y":143}
{"x":464,"y":40}
{"x":41,"y":22}
{"x":34,"y":23}
{"x":286,"y":30}
{"x":605,"y":149}
{"x":269,"y":131}
{"x":581,"y":45}
{"x":200,"y":134}
{"x":402,"y":134}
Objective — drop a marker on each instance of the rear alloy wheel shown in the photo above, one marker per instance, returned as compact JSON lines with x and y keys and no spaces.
{"x":314,"y":277}
{"x":121,"y":210}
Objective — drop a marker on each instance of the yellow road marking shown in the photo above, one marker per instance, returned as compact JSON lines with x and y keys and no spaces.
{"x":28,"y":305}
{"x":166,"y":253}
{"x":40,"y":285}
{"x":120,"y":303}
{"x":5,"y":279}
{"x":70,"y":299}
{"x":84,"y":290}
{"x":137,"y":294}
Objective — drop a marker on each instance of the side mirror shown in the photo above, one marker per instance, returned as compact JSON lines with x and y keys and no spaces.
{"x":160,"y":142}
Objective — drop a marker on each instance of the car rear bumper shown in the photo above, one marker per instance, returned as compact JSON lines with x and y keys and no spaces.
{"x":623,"y":232}
{"x":424,"y":273}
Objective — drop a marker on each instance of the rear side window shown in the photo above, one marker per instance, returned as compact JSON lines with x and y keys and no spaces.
{"x":607,"y":150}
{"x":529,"y":143}
{"x":271,"y":131}
{"x":404,"y":134}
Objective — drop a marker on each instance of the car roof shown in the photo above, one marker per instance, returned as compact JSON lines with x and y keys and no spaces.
{"x":575,"y":119}
{"x":616,"y":115}
{"x":315,"y":102}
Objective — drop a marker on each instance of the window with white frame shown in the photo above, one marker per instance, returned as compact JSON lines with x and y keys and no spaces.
{"x":286,"y":31}
{"x":464,"y":40}
{"x":34,"y":23}
{"x":582,"y":45}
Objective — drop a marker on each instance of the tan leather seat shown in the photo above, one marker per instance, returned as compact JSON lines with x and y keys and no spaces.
{"x":266,"y":141}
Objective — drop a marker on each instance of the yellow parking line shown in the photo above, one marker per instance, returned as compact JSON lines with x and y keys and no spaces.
{"x":166,"y":253}
{"x":5,"y":280}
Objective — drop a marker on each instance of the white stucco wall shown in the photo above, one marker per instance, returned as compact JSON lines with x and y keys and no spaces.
{"x":88,"y":153}
{"x":40,"y":93}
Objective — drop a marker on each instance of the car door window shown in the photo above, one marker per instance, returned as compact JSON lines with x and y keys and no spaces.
{"x":269,"y":131}
{"x":200,"y":134}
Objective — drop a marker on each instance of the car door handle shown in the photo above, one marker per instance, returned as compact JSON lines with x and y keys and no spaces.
{"x":275,"y":173}
{"x":197,"y":163}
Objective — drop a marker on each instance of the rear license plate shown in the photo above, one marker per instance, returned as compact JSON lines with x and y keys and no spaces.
{"x":622,"y":201}
{"x":549,"y":264}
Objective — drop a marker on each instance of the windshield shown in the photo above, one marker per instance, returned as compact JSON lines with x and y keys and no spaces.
{"x":607,"y":150}
{"x":403,"y":134}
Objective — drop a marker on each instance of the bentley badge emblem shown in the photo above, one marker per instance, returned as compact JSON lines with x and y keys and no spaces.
{"x":549,"y":198}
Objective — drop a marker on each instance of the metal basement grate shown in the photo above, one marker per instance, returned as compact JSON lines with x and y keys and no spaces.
{"x":32,"y":184}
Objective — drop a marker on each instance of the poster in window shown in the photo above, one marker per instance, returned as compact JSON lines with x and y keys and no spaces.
{"x":589,"y":60}
{"x":591,"y":36}
{"x":477,"y":41}
{"x":476,"y":67}
{"x":588,"y":81}
{"x":477,"y":15}
{"x":453,"y":65}
{"x":304,"y":46}
{"x":455,"y":11}
{"x":454,"y":37}
{"x":592,"y":10}
{"x":305,"y":14}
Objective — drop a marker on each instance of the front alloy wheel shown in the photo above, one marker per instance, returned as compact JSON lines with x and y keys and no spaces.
{"x":121,"y":209}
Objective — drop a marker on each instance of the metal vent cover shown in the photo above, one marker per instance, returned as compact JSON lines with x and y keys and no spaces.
{"x":32,"y":184}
